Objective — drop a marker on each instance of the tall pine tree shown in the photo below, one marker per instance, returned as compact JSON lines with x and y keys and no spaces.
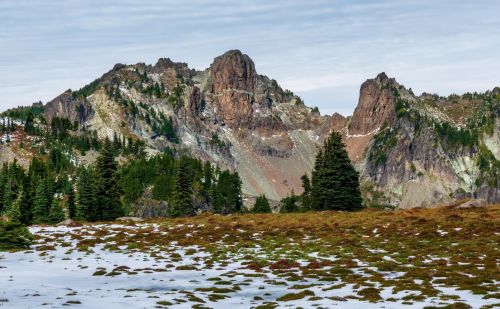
{"x":261,"y":205}
{"x":56,"y":213}
{"x":107,"y":188}
{"x":182,"y":202}
{"x":226,"y":195}
{"x":40,"y":204}
{"x":70,"y":203}
{"x":86,"y":208}
{"x":335,"y":182}
{"x":14,"y":212}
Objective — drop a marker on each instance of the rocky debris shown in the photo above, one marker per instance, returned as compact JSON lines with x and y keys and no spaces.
{"x":147,"y":208}
{"x":132,"y":219}
{"x":473,"y":204}
{"x":69,"y":223}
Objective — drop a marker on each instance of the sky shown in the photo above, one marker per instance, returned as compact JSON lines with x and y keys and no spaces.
{"x":321,"y":50}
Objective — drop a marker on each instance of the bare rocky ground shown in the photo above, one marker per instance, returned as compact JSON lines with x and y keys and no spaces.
{"x":378,"y":259}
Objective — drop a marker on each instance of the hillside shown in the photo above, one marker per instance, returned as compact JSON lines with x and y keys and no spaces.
{"x":410,"y":150}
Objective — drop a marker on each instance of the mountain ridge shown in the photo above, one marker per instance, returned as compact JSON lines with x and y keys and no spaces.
{"x":230,"y":115}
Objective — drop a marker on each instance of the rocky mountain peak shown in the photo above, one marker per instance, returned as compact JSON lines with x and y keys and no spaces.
{"x":375,"y":105}
{"x":232,"y":84}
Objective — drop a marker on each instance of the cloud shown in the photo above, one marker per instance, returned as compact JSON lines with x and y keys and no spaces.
{"x":320,"y":49}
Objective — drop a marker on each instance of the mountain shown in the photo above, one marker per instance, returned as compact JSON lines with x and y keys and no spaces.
{"x":410,"y":150}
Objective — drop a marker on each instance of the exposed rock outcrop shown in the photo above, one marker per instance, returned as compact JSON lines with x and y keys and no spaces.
{"x":240,"y":120}
{"x":375,"y":106}
{"x":68,"y":106}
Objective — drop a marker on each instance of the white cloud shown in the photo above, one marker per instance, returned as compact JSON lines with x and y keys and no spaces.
{"x":321,"y":49}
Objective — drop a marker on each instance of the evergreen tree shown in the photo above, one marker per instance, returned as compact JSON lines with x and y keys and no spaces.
{"x":28,"y":125}
{"x":107,"y":189}
{"x":289,"y":204}
{"x":226,"y":195}
{"x":261,"y":205}
{"x":2,"y":187}
{"x":56,"y":213}
{"x":182,"y":202}
{"x":335,"y":182}
{"x":86,"y":208}
{"x":40,"y":204}
{"x":14,"y":212}
{"x":70,"y":203}
{"x":7,"y":194}
{"x":50,"y":190}
{"x":26,"y":204}
{"x":306,"y":195}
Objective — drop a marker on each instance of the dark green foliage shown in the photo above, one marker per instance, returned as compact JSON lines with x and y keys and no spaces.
{"x":70,"y":203}
{"x":182,"y":202}
{"x":289,"y":204}
{"x":457,"y":137}
{"x":58,"y":161}
{"x":22,"y":112}
{"x":88,"y":89}
{"x":59,"y":127}
{"x":335,"y":182}
{"x":261,"y":205}
{"x":40,"y":203}
{"x":175,"y":97}
{"x":86,"y":199}
{"x":226,"y":195}
{"x":106,"y":185}
{"x":216,"y":141}
{"x":402,"y":108}
{"x":7,"y":194}
{"x":164,"y":126}
{"x":29,"y":127}
{"x":56,"y":212}
{"x":383,"y":142}
{"x":489,"y":168}
{"x":14,"y":211}
{"x":306,"y":195}
{"x":14,"y":235}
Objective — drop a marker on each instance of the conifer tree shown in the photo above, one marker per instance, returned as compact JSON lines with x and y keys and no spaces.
{"x":182,"y":202}
{"x":49,"y":189}
{"x":7,"y":194}
{"x":28,"y":125}
{"x":14,"y":212}
{"x":261,"y":205}
{"x":335,"y":182}
{"x":306,"y":195}
{"x":56,"y":213}
{"x":107,"y":189}
{"x":70,"y":203}
{"x":40,"y":204}
{"x":26,"y":204}
{"x":226,"y":195}
{"x":86,"y":208}
{"x":289,"y":204}
{"x":2,"y":186}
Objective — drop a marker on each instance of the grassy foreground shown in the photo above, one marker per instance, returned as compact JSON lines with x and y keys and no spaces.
{"x":444,"y":246}
{"x":419,"y":257}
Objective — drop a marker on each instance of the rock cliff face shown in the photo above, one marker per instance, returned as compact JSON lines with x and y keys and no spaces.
{"x":241,"y":120}
{"x":375,"y":106}
{"x":75,"y":109}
